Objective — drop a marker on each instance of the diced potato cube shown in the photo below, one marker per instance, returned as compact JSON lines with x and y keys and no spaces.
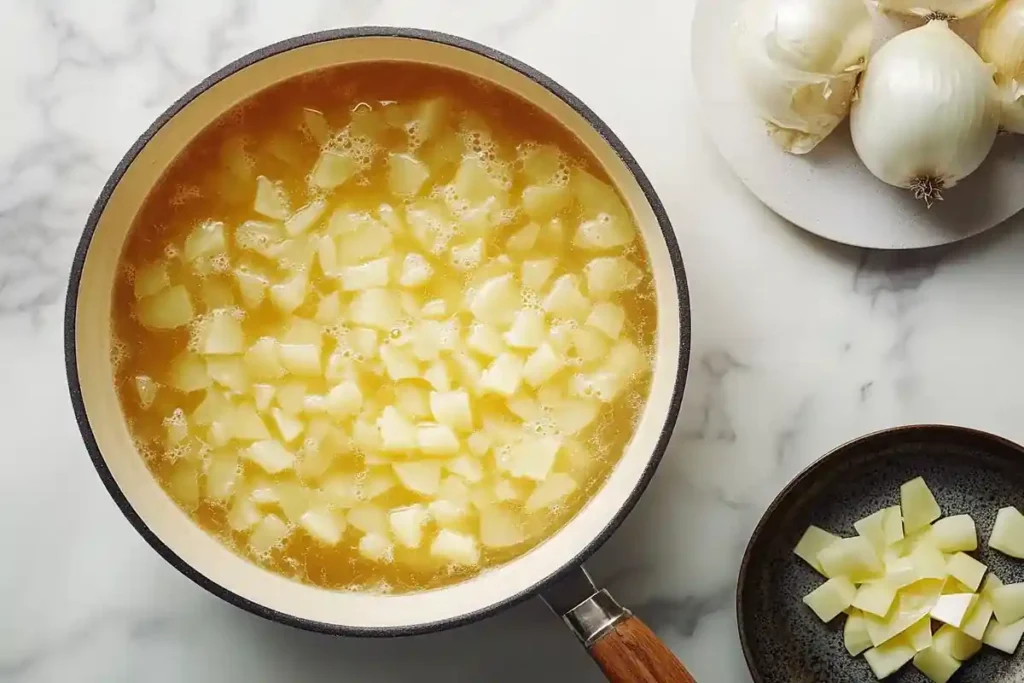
{"x":206,"y":239}
{"x":289,"y":295}
{"x":976,"y":622}
{"x":333,"y":169}
{"x":1008,"y":603}
{"x":467,"y":256}
{"x":533,"y":457}
{"x":267,"y":534}
{"x":595,"y":196}
{"x":437,"y":439}
{"x":261,"y":237}
{"x":376,"y":308}
{"x":528,"y":330}
{"x":542,"y":365}
{"x":253,"y":286}
{"x":369,"y":275}
{"x":811,"y":544}
{"x":467,"y":467}
{"x":535,"y":273}
{"x":1008,"y":533}
{"x":377,"y":548}
{"x":565,"y":299}
{"x":263,"y":360}
{"x":938,"y":666}
{"x":460,"y":549}
{"x":589,"y":344}
{"x":497,"y":300}
{"x":305,"y":218}
{"x":247,"y":425}
{"x":966,"y":570}
{"x":468,"y":372}
{"x":890,"y":657}
{"x":420,"y":476}
{"x":929,"y":562}
{"x":854,"y":558}
{"x":610,"y":274}
{"x":503,"y":375}
{"x":407,"y":525}
{"x":146,"y":389}
{"x":222,"y":475}
{"x":550,"y":492}
{"x":396,"y":432}
{"x":368,"y":240}
{"x":918,"y":505}
{"x":541,"y":202}
{"x":919,"y":636}
{"x":872,"y":528}
{"x":228,"y":371}
{"x":435,"y":308}
{"x":271,"y":455}
{"x":301,"y":359}
{"x":437,"y":376}
{"x":990,"y":583}
{"x":875,"y":597}
{"x":370,"y":518}
{"x":166,"y":310}
{"x":952,"y":609}
{"x":474,"y":184}
{"x":954,"y":534}
{"x":608,"y":318}
{"x":406,"y":174}
{"x":523,"y":239}
{"x":150,"y":280}
{"x":479,"y":444}
{"x":855,"y":633}
{"x":452,"y":408}
{"x":572,"y":416}
{"x":1004,"y":637}
{"x":955,"y":644}
{"x":832,"y":598}
{"x":429,"y":338}
{"x":271,"y":200}
{"x":289,"y":427}
{"x":448,"y":513}
{"x":399,"y":362}
{"x":893,"y":525}
{"x":500,"y":527}
{"x":485,"y":339}
{"x":344,"y":399}
{"x":322,"y":524}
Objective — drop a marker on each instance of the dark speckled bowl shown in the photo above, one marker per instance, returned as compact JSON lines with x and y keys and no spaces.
{"x":970,"y":472}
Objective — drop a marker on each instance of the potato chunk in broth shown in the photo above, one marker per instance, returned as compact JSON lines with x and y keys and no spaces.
{"x":383,"y":327}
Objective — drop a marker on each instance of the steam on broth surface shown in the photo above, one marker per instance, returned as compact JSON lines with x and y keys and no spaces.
{"x":383,"y":327}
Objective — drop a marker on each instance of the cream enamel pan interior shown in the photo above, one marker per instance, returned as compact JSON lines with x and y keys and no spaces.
{"x":170,"y":531}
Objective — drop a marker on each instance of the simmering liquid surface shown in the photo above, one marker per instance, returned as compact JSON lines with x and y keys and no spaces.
{"x":383,"y":327}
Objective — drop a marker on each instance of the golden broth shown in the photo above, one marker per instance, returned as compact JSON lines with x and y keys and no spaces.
{"x":472,"y":139}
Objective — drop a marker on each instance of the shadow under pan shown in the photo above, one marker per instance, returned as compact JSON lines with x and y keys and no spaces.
{"x":969,"y":472}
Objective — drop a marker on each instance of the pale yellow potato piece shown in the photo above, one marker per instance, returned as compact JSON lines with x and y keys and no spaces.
{"x":419,"y":476}
{"x":205,"y":240}
{"x":912,"y":603}
{"x":854,"y":558}
{"x":533,"y":457}
{"x":416,"y":270}
{"x":324,"y":525}
{"x":955,"y":534}
{"x":875,"y":597}
{"x":333,"y":169}
{"x":990,"y":583}
{"x":832,"y":598}
{"x":855,"y":633}
{"x":535,"y":273}
{"x":167,"y":309}
{"x":500,"y":527}
{"x":497,"y":300}
{"x":151,"y":280}
{"x":406,"y":174}
{"x":953,"y":609}
{"x":305,"y":218}
{"x":919,"y":636}
{"x":455,"y":547}
{"x":918,"y":505}
{"x":938,"y":666}
{"x":437,"y":439}
{"x":872,"y":528}
{"x":977,"y":619}
{"x":811,"y":544}
{"x":271,"y":455}
{"x":407,"y":525}
{"x":1008,"y":533}
{"x":504,"y":375}
{"x":268,"y":533}
{"x":452,"y":408}
{"x":955,"y":643}
{"x":377,"y":547}
{"x":890,"y":657}
{"x":1004,"y":637}
{"x":928,"y":562}
{"x":966,"y":570}
{"x":271,"y":200}
{"x":1008,"y":603}
{"x":555,"y":488}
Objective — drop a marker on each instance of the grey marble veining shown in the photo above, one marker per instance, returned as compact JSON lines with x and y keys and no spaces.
{"x":798,"y":346}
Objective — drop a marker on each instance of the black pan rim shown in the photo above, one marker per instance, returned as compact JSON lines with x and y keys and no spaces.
{"x":811,"y":471}
{"x":71,"y":306}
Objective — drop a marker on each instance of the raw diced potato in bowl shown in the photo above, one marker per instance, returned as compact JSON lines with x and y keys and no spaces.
{"x":406,"y":334}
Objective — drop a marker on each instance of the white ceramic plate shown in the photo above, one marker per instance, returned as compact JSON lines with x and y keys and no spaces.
{"x":829,"y":192}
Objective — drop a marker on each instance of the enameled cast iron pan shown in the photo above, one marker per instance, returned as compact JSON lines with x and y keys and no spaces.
{"x":624,"y":648}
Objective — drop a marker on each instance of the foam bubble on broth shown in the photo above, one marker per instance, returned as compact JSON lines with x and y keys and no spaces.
{"x":319,"y":506}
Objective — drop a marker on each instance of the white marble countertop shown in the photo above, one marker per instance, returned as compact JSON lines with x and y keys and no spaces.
{"x":798,"y":346}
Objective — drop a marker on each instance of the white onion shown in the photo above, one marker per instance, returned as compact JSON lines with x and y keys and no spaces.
{"x":936,"y":9}
{"x":926,"y":116}
{"x":798,"y":61}
{"x":1001,"y":44}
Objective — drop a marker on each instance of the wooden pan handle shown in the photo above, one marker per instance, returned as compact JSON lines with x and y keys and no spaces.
{"x":622,"y":645}
{"x":631,"y":653}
